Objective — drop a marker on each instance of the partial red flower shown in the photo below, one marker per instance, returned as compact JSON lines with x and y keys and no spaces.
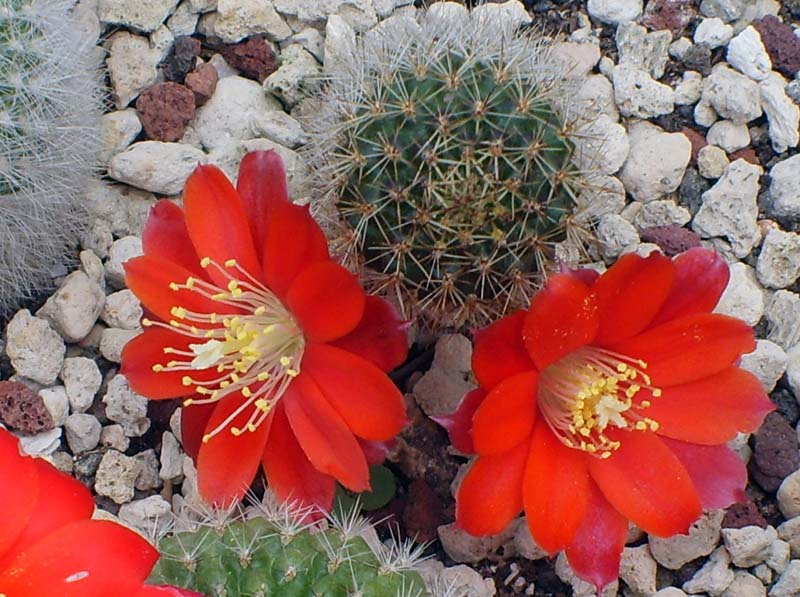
{"x":49,"y":545}
{"x":610,"y":400}
{"x":280,"y":357}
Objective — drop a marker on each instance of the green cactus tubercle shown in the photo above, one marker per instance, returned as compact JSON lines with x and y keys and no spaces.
{"x":257,"y":557}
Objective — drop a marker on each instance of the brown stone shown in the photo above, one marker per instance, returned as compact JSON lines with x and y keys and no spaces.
{"x":253,"y":58}
{"x":672,"y":239}
{"x":747,"y":154}
{"x":22,"y":409}
{"x":181,"y":58}
{"x":423,"y":512}
{"x":164,"y":109}
{"x":698,"y":141}
{"x":743,"y":514}
{"x":775,"y":452}
{"x":674,"y":15}
{"x":202,"y":81}
{"x":782,"y":45}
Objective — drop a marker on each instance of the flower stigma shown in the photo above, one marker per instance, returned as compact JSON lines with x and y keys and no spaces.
{"x":252,"y":346}
{"x":590,"y":390}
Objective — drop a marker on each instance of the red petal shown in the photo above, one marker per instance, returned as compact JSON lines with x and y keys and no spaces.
{"x":61,"y":501}
{"x":375,"y":452}
{"x":711,"y":410}
{"x":364,"y":397}
{"x":217,"y":222}
{"x":490,"y":495}
{"x":194,"y":420}
{"x":459,"y":423}
{"x":292,"y":242}
{"x":586,"y":275}
{"x":595,"y":552}
{"x":324,"y":436}
{"x":555,"y":490}
{"x":290,"y":474}
{"x":689,"y":348}
{"x":165,"y":591}
{"x":499,"y":351}
{"x":718,"y":474}
{"x":562,"y":318}
{"x":261,"y":183}
{"x":18,"y":498}
{"x":146,"y":350}
{"x":149,"y":279}
{"x":165,"y":236}
{"x":83,"y":559}
{"x":701,"y":276}
{"x":226,"y":463}
{"x":507,"y":415}
{"x":327,"y":301}
{"x":646,"y":482}
{"x":380,"y":336}
{"x":630,"y":293}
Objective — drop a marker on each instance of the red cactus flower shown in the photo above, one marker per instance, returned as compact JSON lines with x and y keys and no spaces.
{"x":611,"y":399}
{"x":280,"y":356}
{"x":49,"y":545}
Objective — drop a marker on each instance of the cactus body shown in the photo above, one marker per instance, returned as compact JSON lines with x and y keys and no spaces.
{"x":50,"y":99}
{"x":446,"y":149}
{"x":257,"y":557}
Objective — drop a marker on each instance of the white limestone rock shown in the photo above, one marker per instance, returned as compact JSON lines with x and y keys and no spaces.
{"x":729,"y":208}
{"x":119,"y":129}
{"x":35,"y":350}
{"x":82,"y":380}
{"x":113,"y":340}
{"x":74,"y":308}
{"x":142,"y":15}
{"x":656,"y":163}
{"x":690,"y":89}
{"x":615,"y":234}
{"x":237,"y":19}
{"x":783,"y":315}
{"x":767,"y":362}
{"x":151,"y":516}
{"x":120,"y":252}
{"x":732,"y":95}
{"x":747,"y":54}
{"x":646,"y":51}
{"x":744,"y":296}
{"x":171,"y":457}
{"x":83,"y":432}
{"x":714,"y":577}
{"x":788,"y":584}
{"x":56,"y":402}
{"x":728,"y":135}
{"x":126,"y":407}
{"x":638,"y":569}
{"x":116,"y":476}
{"x":614,"y":12}
{"x":748,"y":546}
{"x":113,"y":436}
{"x":132,"y":66}
{"x":340,"y":39}
{"x":637,"y":94}
{"x":663,"y":212}
{"x":745,"y":585}
{"x":674,"y":552}
{"x":602,"y":146}
{"x":297,"y":76}
{"x":778,"y":264}
{"x":712,"y":161}
{"x":156,"y":166}
{"x":789,"y":495}
{"x":713,"y":33}
{"x":784,"y":188}
{"x":782,"y":113}
{"x":122,"y":310}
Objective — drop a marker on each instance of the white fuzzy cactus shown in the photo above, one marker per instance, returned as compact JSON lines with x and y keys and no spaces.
{"x":50,"y":109}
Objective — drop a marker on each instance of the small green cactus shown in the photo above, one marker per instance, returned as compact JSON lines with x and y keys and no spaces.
{"x":446,"y":147}
{"x":273,"y":554}
{"x":50,"y":116}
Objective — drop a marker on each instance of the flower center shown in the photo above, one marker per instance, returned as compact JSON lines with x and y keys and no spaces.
{"x":590,"y":390}
{"x":256,"y":351}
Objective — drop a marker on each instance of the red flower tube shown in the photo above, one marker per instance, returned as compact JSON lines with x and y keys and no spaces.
{"x":609,"y":400}
{"x":280,"y":357}
{"x":49,"y":545}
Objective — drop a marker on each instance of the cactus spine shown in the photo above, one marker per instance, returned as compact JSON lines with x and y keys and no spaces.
{"x":445,"y":147}
{"x":273,"y":554}
{"x":50,"y":99}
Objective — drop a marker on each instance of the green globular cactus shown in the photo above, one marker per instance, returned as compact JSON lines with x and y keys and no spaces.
{"x":268,"y":556}
{"x":445,"y":146}
{"x":50,"y":115}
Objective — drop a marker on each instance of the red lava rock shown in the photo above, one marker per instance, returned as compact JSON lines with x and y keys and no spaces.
{"x":423,"y":512}
{"x":164,"y":110}
{"x":783,"y":46}
{"x":253,"y":58}
{"x":22,"y":409}
{"x":181,"y":58}
{"x":674,"y":15}
{"x":743,"y":514}
{"x":747,"y":153}
{"x":697,"y":140}
{"x":775,"y":452}
{"x":202,"y":81}
{"x":672,"y":239}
